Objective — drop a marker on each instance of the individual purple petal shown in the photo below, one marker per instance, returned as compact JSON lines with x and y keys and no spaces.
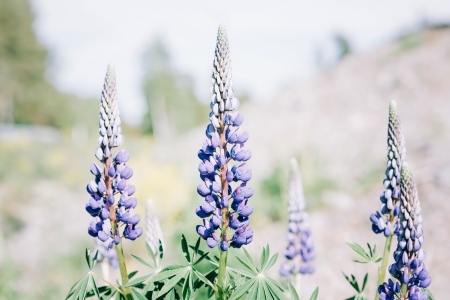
{"x":95,"y":170}
{"x":130,"y":189}
{"x":91,"y":187}
{"x":224,"y":246}
{"x":121,"y":185}
{"x":211,"y":242}
{"x":203,"y":190}
{"x":102,"y":236}
{"x":126,"y":173}
{"x":134,"y":219}
{"x":122,"y":156}
{"x":130,"y":203}
{"x":111,"y":170}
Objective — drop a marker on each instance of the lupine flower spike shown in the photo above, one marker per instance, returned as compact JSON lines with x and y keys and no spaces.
{"x":153,"y":233}
{"x":224,"y":145}
{"x":382,"y":220}
{"x":386,"y":219}
{"x":409,"y":268}
{"x":111,"y":176}
{"x":300,"y":250}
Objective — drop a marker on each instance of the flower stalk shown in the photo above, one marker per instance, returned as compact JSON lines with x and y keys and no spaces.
{"x":386,"y":220}
{"x":111,"y":180}
{"x":223,"y":158}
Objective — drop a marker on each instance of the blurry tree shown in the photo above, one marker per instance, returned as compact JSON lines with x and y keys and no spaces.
{"x":343,"y":46}
{"x":25,"y":95}
{"x":172,"y":106}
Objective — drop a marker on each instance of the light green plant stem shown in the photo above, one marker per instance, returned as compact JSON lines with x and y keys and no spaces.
{"x":123,"y":271}
{"x":222,"y":273}
{"x":404,"y":290}
{"x":384,"y":262}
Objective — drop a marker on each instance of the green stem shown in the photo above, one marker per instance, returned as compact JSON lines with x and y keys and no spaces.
{"x":222,"y":273}
{"x":122,"y":266}
{"x":404,"y":290}
{"x":384,"y":262}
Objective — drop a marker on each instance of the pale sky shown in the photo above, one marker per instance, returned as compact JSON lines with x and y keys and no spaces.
{"x":272,"y":43}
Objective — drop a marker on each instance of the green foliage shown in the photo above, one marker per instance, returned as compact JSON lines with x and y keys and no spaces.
{"x":257,"y":285}
{"x":371,"y":256}
{"x":25,"y":95}
{"x":86,"y":284}
{"x":173,"y":107}
{"x":358,"y":288}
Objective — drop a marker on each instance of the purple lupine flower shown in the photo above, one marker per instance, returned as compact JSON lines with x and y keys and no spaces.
{"x":299,"y":252}
{"x":409,"y":267}
{"x":388,"y":214}
{"x":224,"y":145}
{"x":111,"y":177}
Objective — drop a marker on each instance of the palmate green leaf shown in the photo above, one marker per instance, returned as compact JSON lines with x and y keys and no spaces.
{"x":253,"y":291}
{"x":138,"y":280}
{"x":94,"y":286}
{"x":187,"y":286}
{"x":364,"y":282}
{"x":82,"y":289}
{"x":272,"y":261}
{"x":168,"y":272}
{"x":169,"y":285}
{"x":200,"y":258}
{"x":242,"y":289}
{"x":203,"y":278}
{"x":87,"y":256}
{"x":137,"y":294}
{"x":275,"y":288}
{"x":161,"y":250}
{"x":196,"y":247}
{"x":185,"y":248}
{"x":293,"y":292}
{"x":248,"y":266}
{"x":151,"y":254}
{"x":250,"y":260}
{"x":264,"y":257}
{"x":359,"y":250}
{"x":315,"y":294}
{"x":140,"y":260}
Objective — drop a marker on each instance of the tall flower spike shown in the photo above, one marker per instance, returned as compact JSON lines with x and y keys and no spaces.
{"x":409,"y":268}
{"x":111,"y":177}
{"x":300,"y":249}
{"x":224,"y":145}
{"x":153,"y":233}
{"x":383,"y":220}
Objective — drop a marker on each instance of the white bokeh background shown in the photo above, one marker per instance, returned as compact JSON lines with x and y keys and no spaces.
{"x":273,"y":43}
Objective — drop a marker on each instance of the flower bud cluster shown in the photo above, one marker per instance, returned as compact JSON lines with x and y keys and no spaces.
{"x":300,"y":249}
{"x":388,"y":214}
{"x":409,"y":268}
{"x":111,"y":177}
{"x":216,"y":172}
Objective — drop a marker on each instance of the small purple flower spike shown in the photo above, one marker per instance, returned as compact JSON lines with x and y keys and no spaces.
{"x":409,"y":267}
{"x":299,"y":252}
{"x":111,"y":178}
{"x":224,"y":145}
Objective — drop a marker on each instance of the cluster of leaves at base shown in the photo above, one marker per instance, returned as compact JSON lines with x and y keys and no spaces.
{"x":246,"y":281}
